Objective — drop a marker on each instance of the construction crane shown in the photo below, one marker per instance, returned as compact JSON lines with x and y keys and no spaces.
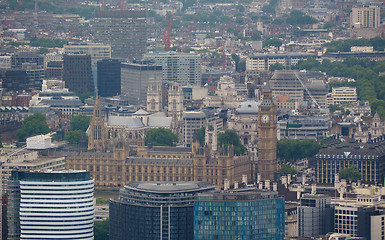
{"x":308,"y":92}
{"x":188,"y":31}
{"x":121,"y":5}
{"x":166,"y":34}
{"x":224,"y":42}
{"x":8,"y":22}
{"x":102,"y":5}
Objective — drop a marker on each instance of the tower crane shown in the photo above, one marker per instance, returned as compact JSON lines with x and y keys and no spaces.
{"x":188,"y":31}
{"x":224,"y":42}
{"x":308,"y":92}
{"x":166,"y":34}
{"x":102,"y":5}
{"x":8,"y":22}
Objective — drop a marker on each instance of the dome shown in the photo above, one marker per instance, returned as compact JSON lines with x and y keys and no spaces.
{"x":248,"y":107}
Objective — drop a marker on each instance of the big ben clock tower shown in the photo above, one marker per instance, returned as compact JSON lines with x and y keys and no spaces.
{"x":267,"y":136}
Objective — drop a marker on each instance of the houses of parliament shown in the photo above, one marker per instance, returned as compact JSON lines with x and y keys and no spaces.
{"x":115,"y":162}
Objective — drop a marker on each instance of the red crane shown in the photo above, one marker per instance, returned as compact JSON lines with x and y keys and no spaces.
{"x":102,"y":5}
{"x":224,"y":42}
{"x":166,"y":34}
{"x":188,"y":31}
{"x":7,"y":22}
{"x":121,"y":5}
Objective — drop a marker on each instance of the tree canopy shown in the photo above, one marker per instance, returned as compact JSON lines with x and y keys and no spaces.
{"x":286,"y":170}
{"x":276,"y":42}
{"x":377,"y":43}
{"x":200,"y":135}
{"x":350,"y":173}
{"x":33,"y":125}
{"x":230,"y":137}
{"x":161,"y":137}
{"x":101,"y":229}
{"x":80,"y":122}
{"x":79,"y":125}
{"x":297,"y":17}
{"x":370,"y":85}
{"x":293,"y":150}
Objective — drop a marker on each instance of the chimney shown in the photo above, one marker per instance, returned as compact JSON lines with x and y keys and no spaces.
{"x":226,"y":184}
{"x":244,"y":179}
{"x":267,"y":184}
{"x":298,"y":193}
{"x":258,"y":178}
{"x":275,"y":186}
{"x":284,"y":180}
{"x":313,"y":188}
{"x":303,"y":179}
{"x":235,"y":185}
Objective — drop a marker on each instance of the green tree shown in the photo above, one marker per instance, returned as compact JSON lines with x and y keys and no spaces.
{"x":351,"y":173}
{"x":73,"y":137}
{"x":276,"y":42}
{"x":293,"y":150}
{"x":161,"y":137}
{"x":200,"y":135}
{"x":101,"y":229}
{"x":33,"y":125}
{"x":230,"y":137}
{"x":85,"y":95}
{"x":286,"y":169}
{"x":297,"y":17}
{"x":80,"y":122}
{"x":276,"y":66}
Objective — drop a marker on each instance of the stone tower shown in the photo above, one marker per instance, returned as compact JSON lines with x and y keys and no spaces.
{"x":175,"y":103}
{"x":154,"y":99}
{"x":267,"y":136}
{"x":376,"y":129}
{"x":97,"y":137}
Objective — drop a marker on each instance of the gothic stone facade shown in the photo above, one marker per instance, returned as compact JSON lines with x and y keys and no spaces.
{"x":140,"y":163}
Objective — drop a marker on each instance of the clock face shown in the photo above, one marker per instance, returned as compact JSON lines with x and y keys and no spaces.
{"x":265,"y":118}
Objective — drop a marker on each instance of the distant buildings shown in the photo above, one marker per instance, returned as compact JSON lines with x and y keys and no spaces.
{"x":239,"y":214}
{"x":357,"y":217}
{"x":109,"y":77}
{"x":180,"y":68}
{"x":262,"y":62}
{"x":341,"y":95}
{"x":365,"y":17}
{"x":50,"y":205}
{"x":97,"y":51}
{"x":152,"y":210}
{"x":77,"y":73}
{"x":19,"y":58}
{"x":124,"y":30}
{"x":17,"y":80}
{"x":27,"y":160}
{"x":367,"y":157}
{"x":137,"y":78}
{"x":287,"y":83}
{"x":304,"y":127}
{"x":315,"y":216}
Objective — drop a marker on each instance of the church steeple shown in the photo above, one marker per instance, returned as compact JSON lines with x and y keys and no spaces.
{"x":97,"y":137}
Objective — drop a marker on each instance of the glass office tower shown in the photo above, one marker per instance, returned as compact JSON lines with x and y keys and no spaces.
{"x":239,"y":214}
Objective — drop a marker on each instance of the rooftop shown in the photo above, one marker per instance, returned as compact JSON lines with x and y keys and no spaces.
{"x":169,"y":187}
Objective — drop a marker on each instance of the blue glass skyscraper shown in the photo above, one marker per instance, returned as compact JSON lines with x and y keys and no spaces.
{"x":239,"y":214}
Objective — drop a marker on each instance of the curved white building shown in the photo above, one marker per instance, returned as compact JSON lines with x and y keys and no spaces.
{"x":51,"y":205}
